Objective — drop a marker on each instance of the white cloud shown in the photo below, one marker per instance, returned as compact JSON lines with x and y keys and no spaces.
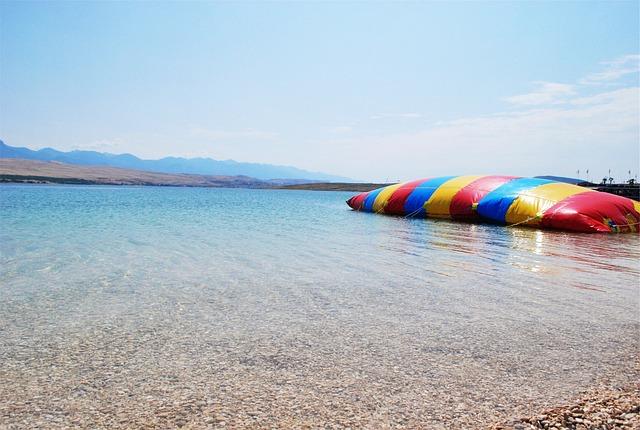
{"x":546,"y":93}
{"x":558,"y":130}
{"x":552,"y":93}
{"x":614,"y":70}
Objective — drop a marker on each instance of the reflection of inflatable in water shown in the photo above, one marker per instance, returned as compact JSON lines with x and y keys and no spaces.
{"x":505,"y":200}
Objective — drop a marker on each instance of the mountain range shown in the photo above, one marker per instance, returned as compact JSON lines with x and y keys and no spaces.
{"x":199,"y":166}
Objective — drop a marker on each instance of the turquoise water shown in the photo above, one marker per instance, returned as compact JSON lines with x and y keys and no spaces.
{"x":236,"y":284}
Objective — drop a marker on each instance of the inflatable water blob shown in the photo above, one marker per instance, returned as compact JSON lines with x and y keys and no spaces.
{"x":507,"y":200}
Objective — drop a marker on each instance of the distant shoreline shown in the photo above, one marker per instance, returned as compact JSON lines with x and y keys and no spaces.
{"x":50,"y":180}
{"x":333,"y":186}
{"x":38,"y":172}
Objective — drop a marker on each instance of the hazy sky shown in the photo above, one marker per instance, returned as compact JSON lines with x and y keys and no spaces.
{"x":372,"y":91}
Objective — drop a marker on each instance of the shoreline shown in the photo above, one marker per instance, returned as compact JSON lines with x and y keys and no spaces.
{"x":355,"y":187}
{"x":599,"y":407}
{"x":320,"y":186}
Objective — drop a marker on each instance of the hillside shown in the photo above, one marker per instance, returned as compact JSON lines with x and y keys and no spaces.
{"x":197,"y":166}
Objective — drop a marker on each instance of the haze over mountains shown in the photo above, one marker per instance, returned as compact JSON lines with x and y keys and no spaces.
{"x":199,"y":166}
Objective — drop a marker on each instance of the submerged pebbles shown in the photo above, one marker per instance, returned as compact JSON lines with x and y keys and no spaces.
{"x":169,"y":377}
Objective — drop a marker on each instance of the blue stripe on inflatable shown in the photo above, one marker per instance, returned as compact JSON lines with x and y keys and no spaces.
{"x":414,"y":205}
{"x":368,"y":202}
{"x":494,"y":205}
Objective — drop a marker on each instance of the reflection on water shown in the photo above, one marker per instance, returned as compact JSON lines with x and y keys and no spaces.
{"x":267,"y":285}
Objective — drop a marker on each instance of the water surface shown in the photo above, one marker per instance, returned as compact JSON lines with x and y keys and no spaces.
{"x":124,"y":306}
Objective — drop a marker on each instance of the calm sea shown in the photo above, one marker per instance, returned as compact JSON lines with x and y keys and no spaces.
{"x":255,"y":287}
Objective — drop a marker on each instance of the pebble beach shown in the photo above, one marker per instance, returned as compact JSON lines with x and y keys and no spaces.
{"x":151,"y":378}
{"x":598,"y":409}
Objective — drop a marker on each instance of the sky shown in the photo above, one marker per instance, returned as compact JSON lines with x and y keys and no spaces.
{"x":375,"y":91}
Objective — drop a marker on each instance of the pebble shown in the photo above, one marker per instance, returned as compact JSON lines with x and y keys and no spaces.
{"x":600,"y":409}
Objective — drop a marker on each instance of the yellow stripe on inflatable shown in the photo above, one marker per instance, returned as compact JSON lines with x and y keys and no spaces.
{"x":530,"y":205}
{"x":383,"y":197}
{"x":438,"y":204}
{"x":633,"y":223}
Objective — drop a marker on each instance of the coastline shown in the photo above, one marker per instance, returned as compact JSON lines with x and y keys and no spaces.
{"x":357,"y":187}
{"x":322,"y":186}
{"x":600,"y":407}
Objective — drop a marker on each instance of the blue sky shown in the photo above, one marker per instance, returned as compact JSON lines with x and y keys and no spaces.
{"x":373,"y":91}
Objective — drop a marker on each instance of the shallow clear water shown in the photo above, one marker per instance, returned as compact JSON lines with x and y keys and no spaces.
{"x":383,"y":319}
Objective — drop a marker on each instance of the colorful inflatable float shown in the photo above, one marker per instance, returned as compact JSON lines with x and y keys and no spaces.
{"x":506,"y":200}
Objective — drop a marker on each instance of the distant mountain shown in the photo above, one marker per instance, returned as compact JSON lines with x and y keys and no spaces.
{"x":199,"y":166}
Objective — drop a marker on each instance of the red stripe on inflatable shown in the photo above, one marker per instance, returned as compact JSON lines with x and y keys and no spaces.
{"x":462,"y":204}
{"x":395,"y":203}
{"x":357,"y":201}
{"x":593,"y":212}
